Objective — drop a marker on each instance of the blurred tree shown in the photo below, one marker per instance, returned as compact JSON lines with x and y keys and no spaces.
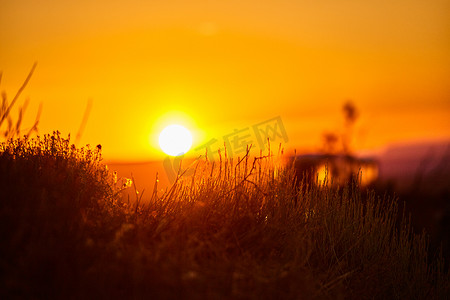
{"x":330,"y":141}
{"x":351,"y":114}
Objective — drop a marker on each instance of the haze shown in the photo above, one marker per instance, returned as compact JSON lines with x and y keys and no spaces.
{"x":217,"y":66}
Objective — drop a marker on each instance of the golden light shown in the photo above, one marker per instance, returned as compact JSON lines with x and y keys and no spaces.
{"x":322,"y":174}
{"x":175,"y":140}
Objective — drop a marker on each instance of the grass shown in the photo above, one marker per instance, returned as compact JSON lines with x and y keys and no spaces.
{"x":13,"y":129}
{"x":234,"y":230}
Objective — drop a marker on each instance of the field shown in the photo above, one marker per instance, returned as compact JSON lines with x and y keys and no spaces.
{"x":237,"y":229}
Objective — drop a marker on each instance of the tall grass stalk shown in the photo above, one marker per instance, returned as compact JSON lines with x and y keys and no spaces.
{"x":14,"y":128}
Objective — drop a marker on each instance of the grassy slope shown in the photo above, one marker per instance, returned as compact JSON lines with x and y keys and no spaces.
{"x":233,"y":230}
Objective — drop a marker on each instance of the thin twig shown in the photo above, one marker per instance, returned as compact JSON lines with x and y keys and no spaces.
{"x":3,"y":117}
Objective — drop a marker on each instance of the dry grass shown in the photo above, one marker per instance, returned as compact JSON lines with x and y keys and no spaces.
{"x":13,"y":128}
{"x":234,"y":230}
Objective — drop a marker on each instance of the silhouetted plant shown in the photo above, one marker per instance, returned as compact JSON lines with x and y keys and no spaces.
{"x":13,"y":128}
{"x":53,"y":197}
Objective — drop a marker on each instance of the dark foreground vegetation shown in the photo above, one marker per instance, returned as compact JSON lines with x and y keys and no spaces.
{"x":234,"y":230}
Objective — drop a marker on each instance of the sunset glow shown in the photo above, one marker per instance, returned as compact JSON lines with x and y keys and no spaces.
{"x":238,"y":149}
{"x":230,"y":65}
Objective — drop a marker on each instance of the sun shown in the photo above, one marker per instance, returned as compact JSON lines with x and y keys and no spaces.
{"x":175,"y":140}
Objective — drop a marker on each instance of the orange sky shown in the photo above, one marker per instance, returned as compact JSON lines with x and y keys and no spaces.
{"x":217,"y":66}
